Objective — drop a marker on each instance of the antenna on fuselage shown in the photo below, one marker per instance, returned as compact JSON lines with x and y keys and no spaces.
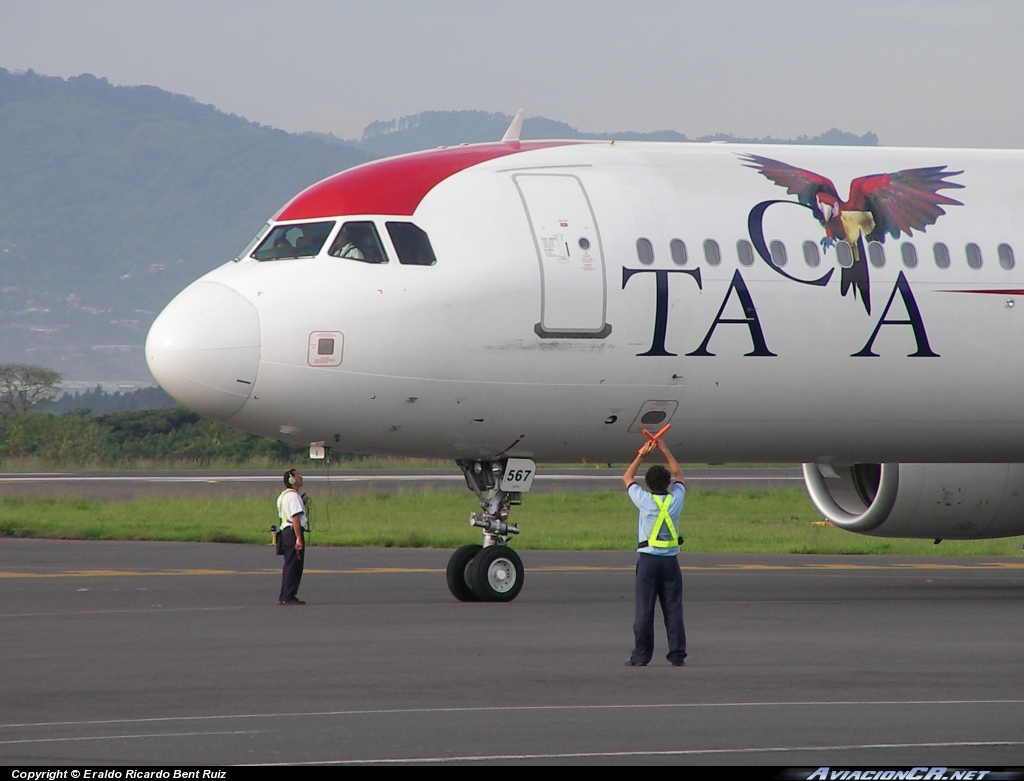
{"x":512,"y":134}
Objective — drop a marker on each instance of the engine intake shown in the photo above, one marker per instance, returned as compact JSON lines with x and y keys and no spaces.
{"x":927,"y":501}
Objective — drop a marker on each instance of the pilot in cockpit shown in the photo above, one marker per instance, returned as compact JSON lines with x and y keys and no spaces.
{"x":283,"y":248}
{"x":344,"y":248}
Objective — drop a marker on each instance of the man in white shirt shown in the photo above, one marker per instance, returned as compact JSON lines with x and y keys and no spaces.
{"x":292,"y":512}
{"x":344,"y":248}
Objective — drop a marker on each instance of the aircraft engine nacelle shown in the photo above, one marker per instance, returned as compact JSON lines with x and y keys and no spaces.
{"x":928,"y":501}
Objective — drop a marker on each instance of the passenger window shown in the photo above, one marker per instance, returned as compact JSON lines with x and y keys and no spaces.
{"x":712,"y":254}
{"x":303,"y":240}
{"x":876,"y":254}
{"x":645,"y":251}
{"x":745,"y":252}
{"x":909,"y":253}
{"x":678,"y":249}
{"x":845,"y":253}
{"x":1006,"y":256}
{"x":411,"y":244}
{"x":941,"y":252}
{"x":358,"y":241}
{"x":811,"y":256}
{"x":973,"y":256}
{"x":778,"y":253}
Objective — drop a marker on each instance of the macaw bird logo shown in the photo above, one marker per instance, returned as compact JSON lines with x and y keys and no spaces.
{"x":879,"y":204}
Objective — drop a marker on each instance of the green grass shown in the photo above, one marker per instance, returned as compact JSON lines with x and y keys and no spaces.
{"x":745,"y":522}
{"x":138,"y":464}
{"x":38,"y":464}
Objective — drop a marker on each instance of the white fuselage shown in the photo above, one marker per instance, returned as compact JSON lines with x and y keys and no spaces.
{"x":547,"y":329}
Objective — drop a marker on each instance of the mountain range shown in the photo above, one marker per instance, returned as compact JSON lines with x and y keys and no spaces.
{"x":112,"y":199}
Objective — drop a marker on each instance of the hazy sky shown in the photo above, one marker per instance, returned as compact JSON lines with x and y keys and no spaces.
{"x":917,"y":73}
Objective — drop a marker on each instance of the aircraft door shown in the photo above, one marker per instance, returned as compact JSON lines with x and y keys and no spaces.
{"x":573,"y":284}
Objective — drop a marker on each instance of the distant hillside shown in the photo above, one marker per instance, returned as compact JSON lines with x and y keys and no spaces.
{"x":444,"y":128}
{"x":112,"y":199}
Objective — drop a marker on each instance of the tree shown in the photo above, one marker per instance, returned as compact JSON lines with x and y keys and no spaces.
{"x":23,"y":385}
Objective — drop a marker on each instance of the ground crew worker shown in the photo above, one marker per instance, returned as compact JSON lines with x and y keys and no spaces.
{"x":657,"y":569}
{"x":292,"y":512}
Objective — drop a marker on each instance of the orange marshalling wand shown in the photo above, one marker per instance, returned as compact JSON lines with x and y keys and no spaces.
{"x":656,"y":437}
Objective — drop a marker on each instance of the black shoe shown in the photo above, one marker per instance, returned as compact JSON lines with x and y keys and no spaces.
{"x":679,"y":664}
{"x":631,"y":663}
{"x":292,"y":601}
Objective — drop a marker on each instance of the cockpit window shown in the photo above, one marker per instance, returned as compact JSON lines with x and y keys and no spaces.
{"x":294,"y":241}
{"x":358,"y":241}
{"x":253,"y":242}
{"x":411,"y":244}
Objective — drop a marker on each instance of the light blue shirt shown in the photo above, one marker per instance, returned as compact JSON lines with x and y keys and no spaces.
{"x":649,"y":515}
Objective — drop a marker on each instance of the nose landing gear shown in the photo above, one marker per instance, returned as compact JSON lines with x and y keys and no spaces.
{"x":497,"y":574}
{"x":459,"y":565}
{"x":491,"y":572}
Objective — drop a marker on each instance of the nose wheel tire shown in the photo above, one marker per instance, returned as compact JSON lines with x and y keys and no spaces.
{"x":459,"y":573}
{"x":496,"y":574}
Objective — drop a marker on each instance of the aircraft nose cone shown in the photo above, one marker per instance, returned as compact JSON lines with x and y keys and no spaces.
{"x":204,"y":349}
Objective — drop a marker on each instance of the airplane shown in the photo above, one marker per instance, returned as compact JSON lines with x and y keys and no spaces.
{"x":519,"y":302}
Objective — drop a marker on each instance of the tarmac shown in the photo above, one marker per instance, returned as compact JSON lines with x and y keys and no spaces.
{"x":143,"y":653}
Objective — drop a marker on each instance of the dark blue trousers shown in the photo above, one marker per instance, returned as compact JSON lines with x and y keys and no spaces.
{"x":291,"y":575}
{"x":658,"y":579}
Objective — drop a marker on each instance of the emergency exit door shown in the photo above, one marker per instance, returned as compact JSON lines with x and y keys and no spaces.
{"x":574,"y":294}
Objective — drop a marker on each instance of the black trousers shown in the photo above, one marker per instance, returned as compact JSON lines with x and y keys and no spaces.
{"x":291,"y":575}
{"x":658,"y":579}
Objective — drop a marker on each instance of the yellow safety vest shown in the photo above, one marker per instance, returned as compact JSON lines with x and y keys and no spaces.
{"x":664,"y":519}
{"x":280,"y":507}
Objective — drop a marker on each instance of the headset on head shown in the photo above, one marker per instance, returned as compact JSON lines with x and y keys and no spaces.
{"x":289,"y":478}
